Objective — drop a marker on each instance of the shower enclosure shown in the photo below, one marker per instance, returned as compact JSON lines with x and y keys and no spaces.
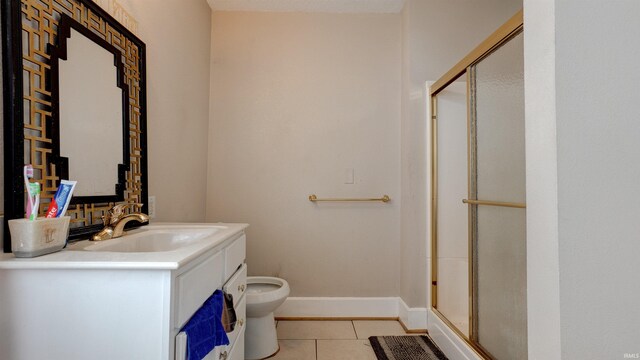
{"x":478,"y":197}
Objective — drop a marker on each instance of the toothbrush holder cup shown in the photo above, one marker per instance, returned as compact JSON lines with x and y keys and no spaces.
{"x":38,"y":237}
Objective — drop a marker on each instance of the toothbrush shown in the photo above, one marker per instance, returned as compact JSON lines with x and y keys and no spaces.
{"x":35,"y":189}
{"x":28,"y":174}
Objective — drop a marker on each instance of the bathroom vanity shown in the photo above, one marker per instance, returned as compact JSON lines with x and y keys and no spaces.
{"x":124,"y":298}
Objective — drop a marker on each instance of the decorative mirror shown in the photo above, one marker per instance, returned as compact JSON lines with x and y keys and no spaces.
{"x":74,"y":107}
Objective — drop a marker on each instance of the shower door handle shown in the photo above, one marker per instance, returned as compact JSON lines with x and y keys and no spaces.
{"x":495,"y":203}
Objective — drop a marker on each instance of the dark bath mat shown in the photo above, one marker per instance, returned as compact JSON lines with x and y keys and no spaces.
{"x":405,"y":348}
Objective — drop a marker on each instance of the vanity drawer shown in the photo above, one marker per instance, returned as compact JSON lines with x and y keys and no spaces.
{"x":233,"y":351}
{"x":241,"y":321}
{"x":181,"y":349}
{"x":237,"y":285}
{"x":237,"y":351}
{"x":235,"y":255}
{"x":197,"y":285}
{"x":236,"y":340}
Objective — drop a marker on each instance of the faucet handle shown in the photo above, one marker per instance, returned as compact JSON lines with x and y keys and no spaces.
{"x":117,"y":212}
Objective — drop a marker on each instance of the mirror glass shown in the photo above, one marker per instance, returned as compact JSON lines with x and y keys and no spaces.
{"x":91,"y":116}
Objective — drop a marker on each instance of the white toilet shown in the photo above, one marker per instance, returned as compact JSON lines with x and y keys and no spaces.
{"x":264,"y":295}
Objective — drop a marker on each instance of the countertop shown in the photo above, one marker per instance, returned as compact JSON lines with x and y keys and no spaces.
{"x":75,"y":257}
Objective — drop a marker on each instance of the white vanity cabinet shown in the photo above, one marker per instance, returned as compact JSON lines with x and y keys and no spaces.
{"x":79,"y":304}
{"x":195,"y":286}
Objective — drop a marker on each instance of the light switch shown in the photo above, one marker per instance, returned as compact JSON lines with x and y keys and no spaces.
{"x":348,"y":176}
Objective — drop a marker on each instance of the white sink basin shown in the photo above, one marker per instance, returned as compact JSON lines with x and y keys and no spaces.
{"x":154,"y":240}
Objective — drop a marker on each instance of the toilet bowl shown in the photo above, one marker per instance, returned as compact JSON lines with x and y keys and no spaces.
{"x":264,"y":295}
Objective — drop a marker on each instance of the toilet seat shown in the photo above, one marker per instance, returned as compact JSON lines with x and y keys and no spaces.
{"x":262,"y":289}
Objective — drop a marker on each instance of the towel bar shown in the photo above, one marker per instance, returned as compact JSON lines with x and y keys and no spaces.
{"x":495,"y":203}
{"x":384,"y":199}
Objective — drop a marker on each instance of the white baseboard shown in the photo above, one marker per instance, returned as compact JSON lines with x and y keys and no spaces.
{"x":412,"y":318}
{"x":449,"y":342}
{"x":338,"y":307}
{"x":354,"y":307}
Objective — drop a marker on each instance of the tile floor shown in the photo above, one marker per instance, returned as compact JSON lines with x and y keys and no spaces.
{"x":331,"y":340}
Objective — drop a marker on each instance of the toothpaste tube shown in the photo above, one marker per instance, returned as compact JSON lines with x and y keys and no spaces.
{"x":61,"y":200}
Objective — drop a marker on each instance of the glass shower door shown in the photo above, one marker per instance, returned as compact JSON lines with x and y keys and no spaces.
{"x":498,"y":216}
{"x":478,"y":197}
{"x":452,"y":224}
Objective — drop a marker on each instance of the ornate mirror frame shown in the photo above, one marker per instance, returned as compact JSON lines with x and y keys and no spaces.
{"x":30,"y":31}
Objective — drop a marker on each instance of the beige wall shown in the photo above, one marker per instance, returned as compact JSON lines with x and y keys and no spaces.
{"x":297,"y":98}
{"x":177,"y":34}
{"x":582,"y":179}
{"x":436,"y":35}
{"x":543,"y":289}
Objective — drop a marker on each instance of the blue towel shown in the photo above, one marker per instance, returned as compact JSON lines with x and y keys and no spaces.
{"x":204,"y":330}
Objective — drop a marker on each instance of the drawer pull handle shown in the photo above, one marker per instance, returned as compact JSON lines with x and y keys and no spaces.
{"x":240,"y":322}
{"x":223,"y":355}
{"x":241,"y":287}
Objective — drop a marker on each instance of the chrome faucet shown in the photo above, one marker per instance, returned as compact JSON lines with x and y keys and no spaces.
{"x":115,"y":219}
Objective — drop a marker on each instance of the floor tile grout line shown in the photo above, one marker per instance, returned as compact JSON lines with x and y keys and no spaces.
{"x":354,"y":329}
